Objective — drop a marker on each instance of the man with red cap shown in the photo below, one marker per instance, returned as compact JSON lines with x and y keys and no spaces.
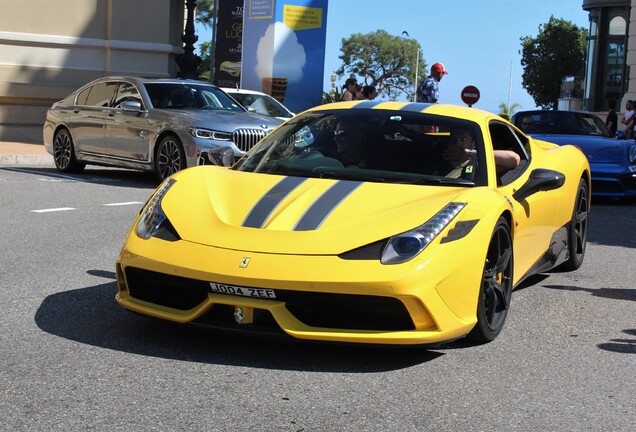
{"x":428,"y":90}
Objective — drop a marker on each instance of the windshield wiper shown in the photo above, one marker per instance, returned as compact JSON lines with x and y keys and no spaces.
{"x":440,"y":181}
{"x":347,"y":175}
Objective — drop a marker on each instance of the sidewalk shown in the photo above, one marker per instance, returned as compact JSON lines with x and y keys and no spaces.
{"x":12,"y":153}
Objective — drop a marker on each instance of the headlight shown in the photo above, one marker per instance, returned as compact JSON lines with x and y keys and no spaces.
{"x":632,"y":153}
{"x":403,"y":247}
{"x":153,"y":217}
{"x":210,"y":134}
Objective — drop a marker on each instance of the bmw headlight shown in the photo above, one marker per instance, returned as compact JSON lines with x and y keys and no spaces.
{"x":405,"y":246}
{"x":632,"y":153}
{"x":153,"y":217}
{"x":210,"y":134}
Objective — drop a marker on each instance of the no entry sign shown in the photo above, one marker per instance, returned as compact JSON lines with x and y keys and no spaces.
{"x":470,"y":95}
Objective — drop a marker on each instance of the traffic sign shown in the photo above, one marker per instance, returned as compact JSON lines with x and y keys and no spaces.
{"x":470,"y":95}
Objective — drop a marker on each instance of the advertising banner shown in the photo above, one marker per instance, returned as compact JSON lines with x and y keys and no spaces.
{"x":284,"y":50}
{"x":229,"y":38}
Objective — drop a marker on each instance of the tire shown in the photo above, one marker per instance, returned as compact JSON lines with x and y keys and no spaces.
{"x":64,"y":153}
{"x":169,"y":157}
{"x":496,"y":286}
{"x":577,"y":229}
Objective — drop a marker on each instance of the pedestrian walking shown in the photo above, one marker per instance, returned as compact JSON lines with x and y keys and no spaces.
{"x":428,"y":90}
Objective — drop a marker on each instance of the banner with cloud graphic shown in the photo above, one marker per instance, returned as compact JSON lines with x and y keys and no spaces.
{"x":284,"y":50}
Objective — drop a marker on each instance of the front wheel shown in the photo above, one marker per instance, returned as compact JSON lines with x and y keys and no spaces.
{"x":170,"y":157}
{"x":64,"y":153}
{"x":577,"y":229}
{"x":496,"y":286}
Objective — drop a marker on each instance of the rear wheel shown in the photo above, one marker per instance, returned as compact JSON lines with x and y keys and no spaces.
{"x":577,"y":230}
{"x":496,"y":286}
{"x":64,"y":153}
{"x":170,"y":157}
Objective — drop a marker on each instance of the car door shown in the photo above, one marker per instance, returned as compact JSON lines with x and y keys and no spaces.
{"x":127,"y":134}
{"x":89,"y":116}
{"x":535,"y":216}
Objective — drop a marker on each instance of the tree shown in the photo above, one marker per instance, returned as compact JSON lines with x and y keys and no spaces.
{"x":382,"y":60}
{"x":506,"y":111}
{"x":558,"y":51}
{"x":205,"y":52}
{"x":205,"y":13}
{"x":205,"y":16}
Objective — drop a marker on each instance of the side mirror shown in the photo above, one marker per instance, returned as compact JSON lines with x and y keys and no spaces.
{"x":221,"y":156}
{"x":540,"y":180}
{"x":131,"y":106}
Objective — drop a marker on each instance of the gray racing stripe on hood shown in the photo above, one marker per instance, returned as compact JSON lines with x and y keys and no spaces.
{"x":323,"y":206}
{"x":266,"y":205}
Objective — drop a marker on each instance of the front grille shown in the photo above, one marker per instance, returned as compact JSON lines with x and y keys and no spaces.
{"x":342,"y":311}
{"x":346,"y":311}
{"x":245,"y":139}
{"x":166,"y":290}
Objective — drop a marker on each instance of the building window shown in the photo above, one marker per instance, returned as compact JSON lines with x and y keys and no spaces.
{"x":615,"y":57}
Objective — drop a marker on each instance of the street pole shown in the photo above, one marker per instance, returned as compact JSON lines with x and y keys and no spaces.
{"x":213,"y":42}
{"x":417,"y":69}
{"x":510,"y":90}
{"x":188,"y":62}
{"x":417,"y":66}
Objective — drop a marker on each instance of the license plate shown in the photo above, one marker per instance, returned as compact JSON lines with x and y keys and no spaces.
{"x":243,"y":291}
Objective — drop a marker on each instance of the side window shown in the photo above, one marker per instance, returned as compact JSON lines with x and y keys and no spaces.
{"x":126,"y":93}
{"x":100,"y":95}
{"x":505,"y":138}
{"x":83,"y":96}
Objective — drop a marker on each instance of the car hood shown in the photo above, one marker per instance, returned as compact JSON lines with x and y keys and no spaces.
{"x":220,"y":207}
{"x":597,"y":149}
{"x":224,"y":120}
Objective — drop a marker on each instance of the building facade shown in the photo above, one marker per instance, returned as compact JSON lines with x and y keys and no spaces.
{"x":611,"y":53}
{"x":65,"y":43}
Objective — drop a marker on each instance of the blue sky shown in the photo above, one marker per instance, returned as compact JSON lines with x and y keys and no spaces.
{"x":477,"y":40}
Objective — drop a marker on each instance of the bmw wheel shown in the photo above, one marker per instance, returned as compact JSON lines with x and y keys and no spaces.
{"x":170,"y":157}
{"x":496,"y":286}
{"x":577,"y":230}
{"x":64,"y":153}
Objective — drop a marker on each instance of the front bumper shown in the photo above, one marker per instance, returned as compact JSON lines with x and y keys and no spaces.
{"x":613,"y":180}
{"x":353,"y":302}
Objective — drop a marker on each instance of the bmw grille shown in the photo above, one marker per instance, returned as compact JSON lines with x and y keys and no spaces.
{"x":245,"y":139}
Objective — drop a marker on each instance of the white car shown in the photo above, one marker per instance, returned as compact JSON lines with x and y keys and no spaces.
{"x":259,"y":103}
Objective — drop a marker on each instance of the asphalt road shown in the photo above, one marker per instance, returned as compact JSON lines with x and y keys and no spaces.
{"x":72,"y":360}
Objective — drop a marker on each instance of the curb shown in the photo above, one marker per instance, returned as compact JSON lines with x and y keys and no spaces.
{"x":7,"y":159}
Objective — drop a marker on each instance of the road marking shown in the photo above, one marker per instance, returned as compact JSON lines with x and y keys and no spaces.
{"x":123,"y":203}
{"x":58,"y":180}
{"x":53,"y":210}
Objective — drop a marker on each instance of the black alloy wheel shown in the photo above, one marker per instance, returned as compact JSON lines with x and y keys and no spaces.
{"x":577,"y":229}
{"x":64,"y":153}
{"x":170,"y":157}
{"x":496,"y":286}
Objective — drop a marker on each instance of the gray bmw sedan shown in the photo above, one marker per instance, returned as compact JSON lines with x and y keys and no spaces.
{"x":155,"y":125}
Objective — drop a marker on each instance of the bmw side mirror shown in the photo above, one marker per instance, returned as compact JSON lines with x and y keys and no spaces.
{"x":540,"y":180}
{"x":221,"y":156}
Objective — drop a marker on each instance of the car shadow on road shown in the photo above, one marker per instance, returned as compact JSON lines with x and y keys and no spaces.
{"x":97,"y":175}
{"x":90,"y":315}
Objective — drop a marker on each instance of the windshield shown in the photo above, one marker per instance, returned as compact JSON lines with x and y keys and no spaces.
{"x":373,"y":145}
{"x":561,"y":123}
{"x":189,"y":96}
{"x":261,"y":104}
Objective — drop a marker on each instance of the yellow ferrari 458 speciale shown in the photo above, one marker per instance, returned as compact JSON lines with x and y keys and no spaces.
{"x":360,"y":222}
